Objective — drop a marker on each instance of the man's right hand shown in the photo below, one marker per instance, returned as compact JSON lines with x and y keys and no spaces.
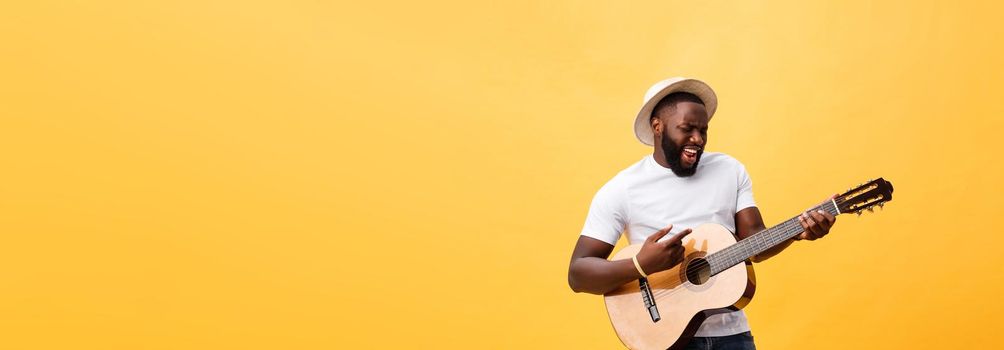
{"x":656,"y":256}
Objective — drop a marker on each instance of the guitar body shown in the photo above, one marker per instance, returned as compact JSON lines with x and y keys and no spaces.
{"x":715,"y":276}
{"x":682,"y":305}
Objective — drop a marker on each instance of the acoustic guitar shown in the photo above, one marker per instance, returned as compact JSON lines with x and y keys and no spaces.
{"x":664,"y":310}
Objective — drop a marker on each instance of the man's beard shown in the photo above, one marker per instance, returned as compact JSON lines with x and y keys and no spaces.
{"x":673,"y":154}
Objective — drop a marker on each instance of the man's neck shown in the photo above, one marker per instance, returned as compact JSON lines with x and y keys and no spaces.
{"x":660,"y":156}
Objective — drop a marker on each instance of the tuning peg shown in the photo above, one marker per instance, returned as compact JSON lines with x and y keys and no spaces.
{"x":871,"y":209}
{"x":881,"y":205}
{"x":859,"y":213}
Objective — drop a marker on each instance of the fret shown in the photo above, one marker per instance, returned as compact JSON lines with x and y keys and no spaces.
{"x":761,"y":241}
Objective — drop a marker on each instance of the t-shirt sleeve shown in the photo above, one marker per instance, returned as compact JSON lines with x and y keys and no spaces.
{"x":744,"y":197}
{"x":606,"y":218}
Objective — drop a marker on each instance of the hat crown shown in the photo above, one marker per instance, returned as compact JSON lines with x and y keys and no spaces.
{"x":659,"y":86}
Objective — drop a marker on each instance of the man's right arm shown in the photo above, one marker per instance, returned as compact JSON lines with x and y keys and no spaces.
{"x":591,"y":272}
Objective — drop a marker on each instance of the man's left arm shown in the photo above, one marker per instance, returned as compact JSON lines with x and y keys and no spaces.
{"x":815,"y":225}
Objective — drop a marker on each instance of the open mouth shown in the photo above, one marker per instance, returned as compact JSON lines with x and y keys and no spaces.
{"x":689,"y":156}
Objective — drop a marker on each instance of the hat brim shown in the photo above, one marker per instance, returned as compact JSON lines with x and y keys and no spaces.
{"x":642,"y":126}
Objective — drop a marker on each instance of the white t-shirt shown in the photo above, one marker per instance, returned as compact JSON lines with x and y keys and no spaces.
{"x":647,"y":197}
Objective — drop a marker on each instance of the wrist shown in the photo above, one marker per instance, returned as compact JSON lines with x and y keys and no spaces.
{"x":637,"y":266}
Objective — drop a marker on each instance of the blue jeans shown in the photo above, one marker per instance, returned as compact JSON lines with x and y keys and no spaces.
{"x":741,"y":341}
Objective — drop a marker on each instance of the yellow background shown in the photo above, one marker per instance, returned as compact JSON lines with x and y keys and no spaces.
{"x":314,"y":175}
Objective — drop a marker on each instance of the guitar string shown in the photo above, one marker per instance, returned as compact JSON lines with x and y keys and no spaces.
{"x":695,"y":267}
{"x":700,"y":265}
{"x":784,"y":232}
{"x":731,"y":254}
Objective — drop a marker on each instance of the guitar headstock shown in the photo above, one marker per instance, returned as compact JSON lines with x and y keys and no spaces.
{"x":865,"y":196}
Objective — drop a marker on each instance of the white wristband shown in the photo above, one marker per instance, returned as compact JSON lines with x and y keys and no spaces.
{"x":638,"y":266}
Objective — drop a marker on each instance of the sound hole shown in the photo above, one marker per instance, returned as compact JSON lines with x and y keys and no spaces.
{"x":698,"y":271}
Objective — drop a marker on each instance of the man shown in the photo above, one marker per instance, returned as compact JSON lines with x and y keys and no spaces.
{"x":660,"y":198}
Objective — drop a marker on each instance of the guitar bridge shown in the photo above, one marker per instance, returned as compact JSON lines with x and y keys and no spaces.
{"x":646,"y":296}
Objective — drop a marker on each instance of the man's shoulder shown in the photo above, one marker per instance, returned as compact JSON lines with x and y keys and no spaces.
{"x":721,"y":159}
{"x":635,"y":171}
{"x":626,"y":173}
{"x":627,"y":176}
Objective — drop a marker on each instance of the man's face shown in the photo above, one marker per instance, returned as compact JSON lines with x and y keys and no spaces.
{"x":684,"y":134}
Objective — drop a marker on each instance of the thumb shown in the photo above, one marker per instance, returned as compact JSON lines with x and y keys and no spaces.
{"x":659,"y":234}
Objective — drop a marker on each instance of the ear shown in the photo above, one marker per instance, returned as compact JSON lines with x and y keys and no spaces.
{"x":656,"y":123}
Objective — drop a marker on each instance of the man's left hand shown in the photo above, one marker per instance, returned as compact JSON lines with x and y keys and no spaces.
{"x":815,"y":224}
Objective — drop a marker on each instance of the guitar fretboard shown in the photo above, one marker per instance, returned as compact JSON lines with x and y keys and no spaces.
{"x":761,"y":241}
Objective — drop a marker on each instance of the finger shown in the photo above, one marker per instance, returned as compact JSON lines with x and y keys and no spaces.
{"x":675,"y":240}
{"x":806,"y":227}
{"x":815,"y":231}
{"x":676,"y":256}
{"x":830,"y":218}
{"x":821,"y":221}
{"x":658,"y":234}
{"x":676,"y":250}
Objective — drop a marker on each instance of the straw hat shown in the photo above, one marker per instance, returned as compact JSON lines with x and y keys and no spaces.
{"x":642,"y":127}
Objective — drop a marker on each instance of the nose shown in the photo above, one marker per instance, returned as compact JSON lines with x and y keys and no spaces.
{"x":696,"y":138}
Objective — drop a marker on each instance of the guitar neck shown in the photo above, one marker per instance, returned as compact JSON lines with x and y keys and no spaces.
{"x":761,"y":241}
